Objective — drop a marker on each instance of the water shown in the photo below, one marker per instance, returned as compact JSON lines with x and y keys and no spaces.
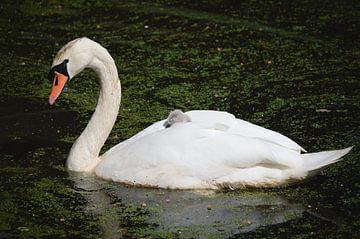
{"x":264,"y":62}
{"x":202,"y":214}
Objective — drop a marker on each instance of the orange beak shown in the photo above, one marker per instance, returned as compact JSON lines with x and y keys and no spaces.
{"x":57,"y":86}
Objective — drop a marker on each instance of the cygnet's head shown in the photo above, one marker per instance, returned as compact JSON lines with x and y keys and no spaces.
{"x":176,"y":116}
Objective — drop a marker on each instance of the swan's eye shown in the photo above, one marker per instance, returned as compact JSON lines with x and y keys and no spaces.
{"x":61,"y":68}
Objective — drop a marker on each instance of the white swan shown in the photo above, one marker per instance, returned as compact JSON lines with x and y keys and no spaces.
{"x":203,"y":150}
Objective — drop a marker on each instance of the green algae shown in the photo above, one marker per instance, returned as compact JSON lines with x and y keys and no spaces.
{"x":262,"y":61}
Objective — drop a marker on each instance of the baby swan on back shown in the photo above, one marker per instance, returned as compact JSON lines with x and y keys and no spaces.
{"x":176,"y":116}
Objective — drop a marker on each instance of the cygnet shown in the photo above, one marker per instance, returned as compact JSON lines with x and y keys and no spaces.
{"x":176,"y":116}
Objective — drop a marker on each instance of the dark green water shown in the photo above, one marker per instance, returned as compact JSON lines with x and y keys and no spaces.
{"x":292,"y":67}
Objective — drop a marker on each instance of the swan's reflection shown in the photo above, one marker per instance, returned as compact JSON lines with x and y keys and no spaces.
{"x":202,"y":214}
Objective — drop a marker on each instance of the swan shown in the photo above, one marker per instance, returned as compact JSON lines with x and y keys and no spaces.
{"x":199,"y":149}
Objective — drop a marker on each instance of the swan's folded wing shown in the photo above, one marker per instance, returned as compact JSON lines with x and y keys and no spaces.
{"x":242,"y":127}
{"x":248,"y":129}
{"x":224,"y":121}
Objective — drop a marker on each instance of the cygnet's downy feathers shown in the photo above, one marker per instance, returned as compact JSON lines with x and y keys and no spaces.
{"x":176,"y":116}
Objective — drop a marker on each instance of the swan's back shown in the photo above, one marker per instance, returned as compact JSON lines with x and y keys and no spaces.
{"x":244,"y":128}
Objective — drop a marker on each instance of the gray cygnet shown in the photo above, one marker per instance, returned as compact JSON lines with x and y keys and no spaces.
{"x":176,"y":116}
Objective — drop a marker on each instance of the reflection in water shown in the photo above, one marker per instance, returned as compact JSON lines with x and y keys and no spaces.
{"x":201,"y":213}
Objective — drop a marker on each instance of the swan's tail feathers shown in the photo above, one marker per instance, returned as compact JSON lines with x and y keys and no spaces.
{"x":315,"y":162}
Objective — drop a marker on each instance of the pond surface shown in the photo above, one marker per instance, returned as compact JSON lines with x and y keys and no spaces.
{"x":293,"y":68}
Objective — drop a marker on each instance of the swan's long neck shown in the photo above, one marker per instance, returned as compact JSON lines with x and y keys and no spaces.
{"x":84,"y":154}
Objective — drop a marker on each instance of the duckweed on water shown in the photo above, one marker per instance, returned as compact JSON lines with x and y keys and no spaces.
{"x":292,"y":67}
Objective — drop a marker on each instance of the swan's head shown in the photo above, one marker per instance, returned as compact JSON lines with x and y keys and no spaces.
{"x":69,"y":61}
{"x":176,"y":116}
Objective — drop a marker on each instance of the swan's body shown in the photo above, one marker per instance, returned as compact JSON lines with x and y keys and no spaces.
{"x":202,"y":150}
